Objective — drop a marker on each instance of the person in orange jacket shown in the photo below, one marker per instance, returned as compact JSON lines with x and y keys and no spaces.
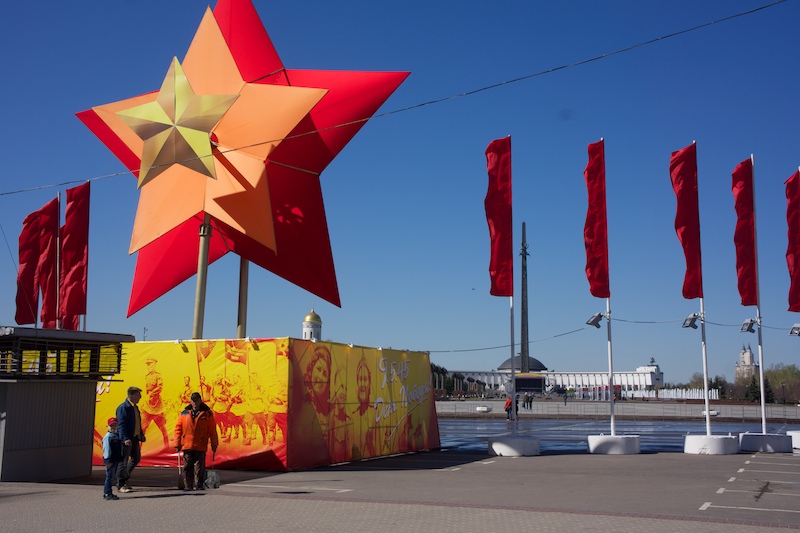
{"x":507,"y":407}
{"x":195,"y":427}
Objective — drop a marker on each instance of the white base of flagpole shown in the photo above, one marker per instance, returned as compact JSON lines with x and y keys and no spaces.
{"x":613,"y":445}
{"x":514,"y":446}
{"x":711,"y":444}
{"x":795,"y":438}
{"x":765,"y":442}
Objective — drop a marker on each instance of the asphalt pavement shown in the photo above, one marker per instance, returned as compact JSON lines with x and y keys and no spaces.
{"x":457,"y":488}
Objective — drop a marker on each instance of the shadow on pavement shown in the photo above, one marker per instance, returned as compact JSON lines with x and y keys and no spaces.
{"x":162,"y":477}
{"x":145,"y":477}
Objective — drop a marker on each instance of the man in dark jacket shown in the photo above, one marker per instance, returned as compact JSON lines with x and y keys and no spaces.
{"x":131,"y":435}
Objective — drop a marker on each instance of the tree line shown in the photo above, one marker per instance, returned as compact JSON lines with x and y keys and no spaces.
{"x":455,"y":385}
{"x":781,"y":385}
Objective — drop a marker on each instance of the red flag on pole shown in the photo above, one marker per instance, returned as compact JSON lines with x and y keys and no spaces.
{"x":46,"y":269}
{"x":499,"y":217}
{"x":793,"y":250}
{"x":595,"y":231}
{"x":71,"y":322}
{"x":74,"y":255}
{"x":744,"y":236}
{"x":683,"y":173}
{"x":27,"y":286}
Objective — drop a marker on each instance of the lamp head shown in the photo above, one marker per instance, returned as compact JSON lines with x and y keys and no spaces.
{"x":747,"y":326}
{"x":595,"y":320}
{"x":691,"y":321}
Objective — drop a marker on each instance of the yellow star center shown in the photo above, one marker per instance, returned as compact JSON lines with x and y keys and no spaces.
{"x":176,"y":127}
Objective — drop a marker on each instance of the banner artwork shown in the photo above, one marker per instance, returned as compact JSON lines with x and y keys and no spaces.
{"x":279,"y":404}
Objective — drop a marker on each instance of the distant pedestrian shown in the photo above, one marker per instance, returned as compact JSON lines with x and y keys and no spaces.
{"x":131,"y":434}
{"x":525,"y":401}
{"x":507,"y":407}
{"x":565,"y":398}
{"x":112,"y":455}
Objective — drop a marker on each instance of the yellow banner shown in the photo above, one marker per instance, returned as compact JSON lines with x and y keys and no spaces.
{"x":279,"y":404}
{"x":359,"y":402}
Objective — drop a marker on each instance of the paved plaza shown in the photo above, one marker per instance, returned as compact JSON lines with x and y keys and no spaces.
{"x":458,"y":488}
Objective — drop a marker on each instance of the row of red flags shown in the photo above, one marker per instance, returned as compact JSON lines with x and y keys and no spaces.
{"x":62,"y":283}
{"x":683,"y":174}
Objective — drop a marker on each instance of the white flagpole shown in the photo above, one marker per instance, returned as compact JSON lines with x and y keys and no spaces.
{"x":513,"y":373}
{"x":758,"y":306}
{"x":761,"y":371}
{"x":610,"y":368}
{"x":703,"y":343}
{"x":705,"y":365}
{"x":58,"y":262}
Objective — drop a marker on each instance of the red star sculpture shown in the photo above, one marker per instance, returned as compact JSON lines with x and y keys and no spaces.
{"x":302,"y":246}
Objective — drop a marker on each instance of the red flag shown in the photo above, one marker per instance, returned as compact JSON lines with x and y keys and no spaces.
{"x":74,"y":255}
{"x":683,"y":172}
{"x":71,"y":322}
{"x":27,"y":287}
{"x":595,"y":231}
{"x":498,"y":215}
{"x":46,"y":269}
{"x":744,"y":236}
{"x":793,"y":250}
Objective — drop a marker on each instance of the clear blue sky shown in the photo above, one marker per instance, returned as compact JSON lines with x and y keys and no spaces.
{"x":404,"y":199}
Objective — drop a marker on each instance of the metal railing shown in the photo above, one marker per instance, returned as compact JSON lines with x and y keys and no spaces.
{"x":58,"y":361}
{"x":627,"y":409}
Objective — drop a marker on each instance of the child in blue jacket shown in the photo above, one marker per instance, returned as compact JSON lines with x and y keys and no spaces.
{"x":112,"y":455}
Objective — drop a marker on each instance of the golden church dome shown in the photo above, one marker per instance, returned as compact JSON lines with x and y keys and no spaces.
{"x":312,"y":317}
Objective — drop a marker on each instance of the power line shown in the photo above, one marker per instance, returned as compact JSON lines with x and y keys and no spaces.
{"x":508,"y":345}
{"x":445,"y":99}
{"x":647,"y":321}
{"x":465,"y":350}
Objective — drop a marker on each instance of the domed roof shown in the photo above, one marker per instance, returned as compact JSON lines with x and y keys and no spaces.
{"x":534,"y":365}
{"x":312,"y":317}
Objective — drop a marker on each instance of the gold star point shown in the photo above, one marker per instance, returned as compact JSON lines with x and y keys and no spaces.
{"x":176,"y":127}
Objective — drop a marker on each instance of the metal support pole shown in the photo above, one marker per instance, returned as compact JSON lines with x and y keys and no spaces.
{"x":202,"y":274}
{"x":244,"y":274}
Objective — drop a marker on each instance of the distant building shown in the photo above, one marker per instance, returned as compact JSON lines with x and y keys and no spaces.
{"x":656,"y":375}
{"x":312,"y":327}
{"x":747,"y":367}
{"x":540,"y":380}
{"x":535,"y":380}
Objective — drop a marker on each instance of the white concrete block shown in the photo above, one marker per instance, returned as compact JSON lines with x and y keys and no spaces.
{"x":711,"y":444}
{"x":795,"y":438}
{"x":514,"y":446}
{"x":765,"y":442}
{"x":613,"y":445}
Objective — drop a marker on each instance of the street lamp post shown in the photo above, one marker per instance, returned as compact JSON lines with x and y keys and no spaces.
{"x":783,"y":392}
